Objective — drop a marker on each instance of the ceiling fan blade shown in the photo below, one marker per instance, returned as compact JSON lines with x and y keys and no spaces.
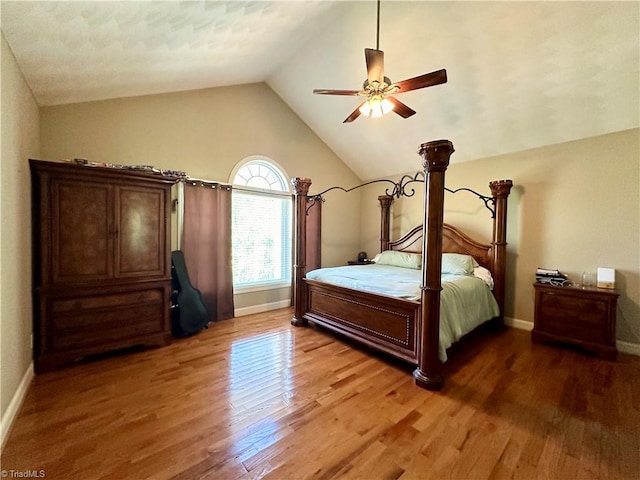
{"x":400,"y":108}
{"x":375,"y":65}
{"x":422,"y":81}
{"x":337,"y":92}
{"x":355,"y":114}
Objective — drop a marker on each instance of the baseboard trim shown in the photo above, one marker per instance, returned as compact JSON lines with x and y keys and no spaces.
{"x":14,"y":406}
{"x":265,"y":307}
{"x":623,"y":347}
{"x":628,"y":347}
{"x":519,"y":324}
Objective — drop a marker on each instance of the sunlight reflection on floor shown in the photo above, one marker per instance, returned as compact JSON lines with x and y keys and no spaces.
{"x":261,"y":384}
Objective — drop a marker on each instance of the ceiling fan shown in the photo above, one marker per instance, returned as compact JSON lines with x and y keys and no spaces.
{"x":378,"y":88}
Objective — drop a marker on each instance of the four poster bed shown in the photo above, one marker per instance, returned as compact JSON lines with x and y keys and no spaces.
{"x":406,"y":326}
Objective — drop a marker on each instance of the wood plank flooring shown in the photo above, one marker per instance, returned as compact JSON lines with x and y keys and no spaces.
{"x":254,"y":397}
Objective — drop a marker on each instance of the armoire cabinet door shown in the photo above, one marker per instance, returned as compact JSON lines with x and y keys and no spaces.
{"x":81,"y":231}
{"x":140,"y":242}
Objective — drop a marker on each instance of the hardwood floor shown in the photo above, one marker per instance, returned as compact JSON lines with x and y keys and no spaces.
{"x":254,"y":397}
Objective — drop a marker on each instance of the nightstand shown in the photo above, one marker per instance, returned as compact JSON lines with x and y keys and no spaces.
{"x":584,"y":317}
{"x":358,"y":262}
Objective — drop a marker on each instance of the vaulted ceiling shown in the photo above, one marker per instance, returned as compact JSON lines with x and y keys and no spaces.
{"x":521,"y":74}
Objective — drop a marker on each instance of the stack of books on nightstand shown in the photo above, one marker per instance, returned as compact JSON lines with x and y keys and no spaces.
{"x":551,"y":277}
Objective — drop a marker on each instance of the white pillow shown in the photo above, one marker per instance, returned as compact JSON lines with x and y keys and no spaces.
{"x":399,"y":259}
{"x":484,"y":275}
{"x":457,"y":264}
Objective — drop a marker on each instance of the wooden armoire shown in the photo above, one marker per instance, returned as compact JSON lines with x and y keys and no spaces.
{"x":101,"y":257}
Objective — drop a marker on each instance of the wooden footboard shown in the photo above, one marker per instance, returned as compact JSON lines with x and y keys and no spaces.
{"x":385,"y":323}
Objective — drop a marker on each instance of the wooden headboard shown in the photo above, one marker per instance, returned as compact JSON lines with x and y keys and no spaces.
{"x":453,"y":241}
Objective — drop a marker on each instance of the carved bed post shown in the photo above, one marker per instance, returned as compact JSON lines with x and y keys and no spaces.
{"x":385,"y":224}
{"x":500,"y":190}
{"x":435,"y":159}
{"x":300,"y":191}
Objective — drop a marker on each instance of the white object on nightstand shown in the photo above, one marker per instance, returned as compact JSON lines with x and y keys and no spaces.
{"x":606,"y":277}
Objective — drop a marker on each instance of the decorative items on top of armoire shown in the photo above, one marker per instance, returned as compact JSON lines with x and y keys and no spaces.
{"x":101,"y":259}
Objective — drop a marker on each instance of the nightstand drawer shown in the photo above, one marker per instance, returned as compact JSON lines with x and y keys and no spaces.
{"x":568,"y":315}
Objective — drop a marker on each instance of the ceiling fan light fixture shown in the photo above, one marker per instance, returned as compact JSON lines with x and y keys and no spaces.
{"x":365,"y":109}
{"x":386,"y":105}
{"x":376,"y":107}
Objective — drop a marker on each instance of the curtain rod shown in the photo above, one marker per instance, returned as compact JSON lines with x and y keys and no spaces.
{"x":226,"y":186}
{"x":206,"y":183}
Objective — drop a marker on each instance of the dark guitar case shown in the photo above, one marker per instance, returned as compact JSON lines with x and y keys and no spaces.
{"x":189,"y":314}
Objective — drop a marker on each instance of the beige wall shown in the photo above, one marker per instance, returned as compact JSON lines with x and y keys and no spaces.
{"x":20,"y":140}
{"x":206,"y":133}
{"x":574,"y":206}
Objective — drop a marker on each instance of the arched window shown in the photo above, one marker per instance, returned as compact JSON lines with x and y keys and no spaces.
{"x":261,"y":225}
{"x":261,"y":174}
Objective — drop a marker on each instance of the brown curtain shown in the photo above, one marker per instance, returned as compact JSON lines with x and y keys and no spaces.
{"x":207,"y":245}
{"x":314,"y":223}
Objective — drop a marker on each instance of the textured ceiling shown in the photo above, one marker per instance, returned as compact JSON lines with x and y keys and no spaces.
{"x":521,"y":74}
{"x":72,"y":51}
